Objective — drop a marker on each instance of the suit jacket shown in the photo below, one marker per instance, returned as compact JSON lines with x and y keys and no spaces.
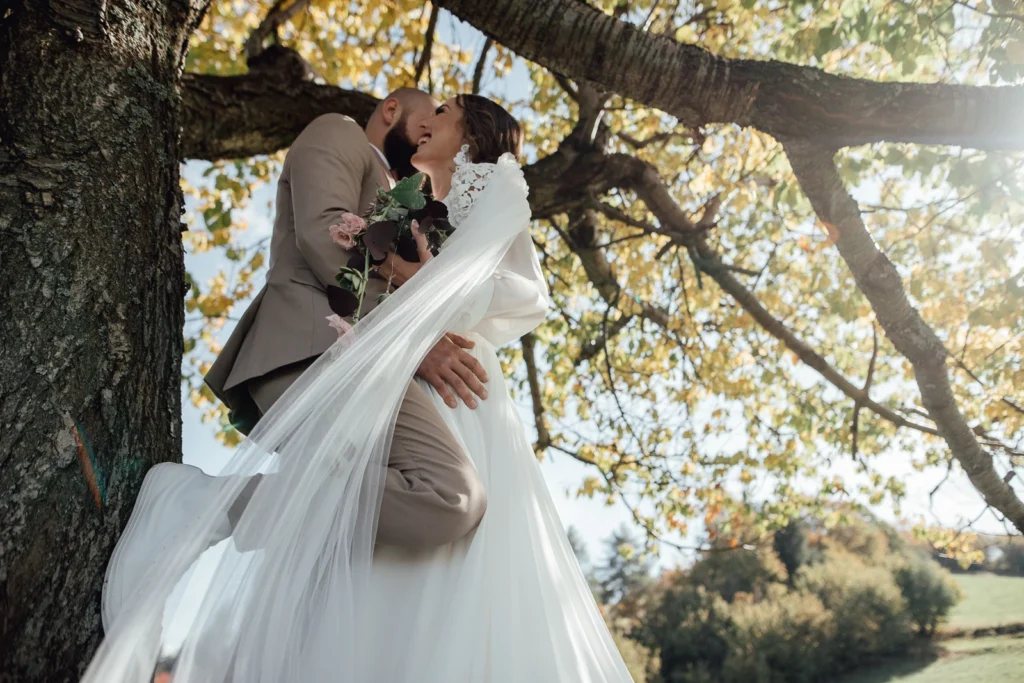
{"x":331,"y":168}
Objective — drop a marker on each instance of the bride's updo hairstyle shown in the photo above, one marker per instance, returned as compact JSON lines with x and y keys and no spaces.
{"x":490,"y":130}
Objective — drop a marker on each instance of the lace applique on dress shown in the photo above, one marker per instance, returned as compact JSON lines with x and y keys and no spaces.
{"x":468,"y":181}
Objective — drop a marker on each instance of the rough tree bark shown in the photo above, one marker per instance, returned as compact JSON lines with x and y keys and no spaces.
{"x":234,"y":117}
{"x":91,"y":266}
{"x":577,"y":40}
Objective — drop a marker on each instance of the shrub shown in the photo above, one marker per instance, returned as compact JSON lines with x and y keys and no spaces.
{"x":695,"y":673}
{"x":734,"y":618}
{"x":871,"y":615}
{"x":691,"y":629}
{"x":643,"y":665}
{"x":870,"y":543}
{"x":928,"y":589}
{"x":729,"y":572}
{"x":783,"y":639}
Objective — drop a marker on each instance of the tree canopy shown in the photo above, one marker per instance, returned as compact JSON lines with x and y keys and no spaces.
{"x":782,"y":239}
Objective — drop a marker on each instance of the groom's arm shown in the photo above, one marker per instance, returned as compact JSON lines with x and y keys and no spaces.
{"x":326,"y":166}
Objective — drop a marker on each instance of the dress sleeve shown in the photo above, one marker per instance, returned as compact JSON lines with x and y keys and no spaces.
{"x":513,"y":301}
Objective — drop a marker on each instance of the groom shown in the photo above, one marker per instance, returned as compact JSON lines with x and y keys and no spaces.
{"x":432,"y":494}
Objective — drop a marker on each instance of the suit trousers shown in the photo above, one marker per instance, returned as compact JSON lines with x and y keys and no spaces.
{"x":433,"y":494}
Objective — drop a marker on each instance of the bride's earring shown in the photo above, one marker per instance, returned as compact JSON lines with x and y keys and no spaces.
{"x":463,"y":156}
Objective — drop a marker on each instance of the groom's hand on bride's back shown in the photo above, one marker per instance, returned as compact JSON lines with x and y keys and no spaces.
{"x":449,"y":367}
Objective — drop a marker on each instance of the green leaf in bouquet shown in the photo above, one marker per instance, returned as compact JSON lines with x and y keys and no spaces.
{"x":349,"y":278}
{"x":407,"y":192}
{"x":397,"y":213}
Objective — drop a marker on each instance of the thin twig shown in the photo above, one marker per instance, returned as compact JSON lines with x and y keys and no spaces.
{"x":428,"y":46}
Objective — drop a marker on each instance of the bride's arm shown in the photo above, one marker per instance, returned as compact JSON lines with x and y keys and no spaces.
{"x":513,"y":301}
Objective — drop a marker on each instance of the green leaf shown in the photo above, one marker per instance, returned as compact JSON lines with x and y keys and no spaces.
{"x":407,"y":192}
{"x":828,"y":40}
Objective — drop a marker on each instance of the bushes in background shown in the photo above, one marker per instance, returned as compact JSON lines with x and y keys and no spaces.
{"x":929,"y":590}
{"x":803,"y":605}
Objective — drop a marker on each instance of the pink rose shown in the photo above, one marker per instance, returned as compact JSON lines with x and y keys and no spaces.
{"x":338,"y":323}
{"x":345,"y":233}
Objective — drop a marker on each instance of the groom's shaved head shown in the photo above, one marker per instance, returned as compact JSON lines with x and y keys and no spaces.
{"x":397,"y":123}
{"x":409,"y":98}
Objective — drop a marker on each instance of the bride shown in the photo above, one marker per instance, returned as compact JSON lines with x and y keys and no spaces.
{"x":318,"y":601}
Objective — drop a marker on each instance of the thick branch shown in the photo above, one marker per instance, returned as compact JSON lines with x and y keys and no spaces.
{"x":878,"y":279}
{"x":240,"y":116}
{"x":579,"y":41}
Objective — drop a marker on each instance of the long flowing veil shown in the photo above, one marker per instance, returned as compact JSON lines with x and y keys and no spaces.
{"x":289,"y":612}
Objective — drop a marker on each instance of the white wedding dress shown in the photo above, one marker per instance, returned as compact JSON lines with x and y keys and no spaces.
{"x":507,"y":604}
{"x":318,"y":603}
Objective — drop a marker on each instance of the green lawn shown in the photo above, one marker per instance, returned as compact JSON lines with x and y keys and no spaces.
{"x":988,"y":600}
{"x":968,"y":660}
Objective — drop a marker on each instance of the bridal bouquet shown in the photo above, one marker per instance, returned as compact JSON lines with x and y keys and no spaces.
{"x":388,"y":227}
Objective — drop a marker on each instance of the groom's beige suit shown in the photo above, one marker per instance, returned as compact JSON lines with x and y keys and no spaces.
{"x":432,"y":494}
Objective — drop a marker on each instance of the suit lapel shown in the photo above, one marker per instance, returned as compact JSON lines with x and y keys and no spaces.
{"x":384,"y":178}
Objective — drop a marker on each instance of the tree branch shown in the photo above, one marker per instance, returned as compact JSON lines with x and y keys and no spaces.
{"x":675,"y":222}
{"x":878,"y":279}
{"x":594,"y":346}
{"x":281,"y":12}
{"x":428,"y":46}
{"x":578,"y":41}
{"x":529,"y":341}
{"x":478,"y":70}
{"x":240,"y":116}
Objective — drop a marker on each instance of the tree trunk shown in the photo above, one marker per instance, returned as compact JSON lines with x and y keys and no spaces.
{"x":91,"y":275}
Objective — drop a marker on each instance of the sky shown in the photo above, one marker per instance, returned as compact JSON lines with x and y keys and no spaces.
{"x":956,"y":501}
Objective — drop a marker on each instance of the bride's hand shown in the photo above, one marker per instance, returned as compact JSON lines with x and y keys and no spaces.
{"x":399,"y":271}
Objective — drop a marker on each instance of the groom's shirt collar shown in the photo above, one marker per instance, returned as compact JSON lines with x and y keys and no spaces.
{"x":381,"y":155}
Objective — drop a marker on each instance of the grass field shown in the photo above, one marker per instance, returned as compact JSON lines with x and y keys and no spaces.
{"x":988,"y":600}
{"x":997,"y":659}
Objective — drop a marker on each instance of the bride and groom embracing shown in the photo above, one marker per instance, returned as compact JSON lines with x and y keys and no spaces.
{"x":389,"y":531}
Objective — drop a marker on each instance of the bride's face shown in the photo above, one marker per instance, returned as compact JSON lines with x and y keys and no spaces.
{"x":441,"y":139}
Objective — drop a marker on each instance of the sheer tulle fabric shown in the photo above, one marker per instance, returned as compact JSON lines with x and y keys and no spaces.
{"x":312,"y":604}
{"x":507,"y":604}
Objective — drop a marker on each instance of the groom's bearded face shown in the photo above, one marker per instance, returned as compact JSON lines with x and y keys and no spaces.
{"x":399,"y":148}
